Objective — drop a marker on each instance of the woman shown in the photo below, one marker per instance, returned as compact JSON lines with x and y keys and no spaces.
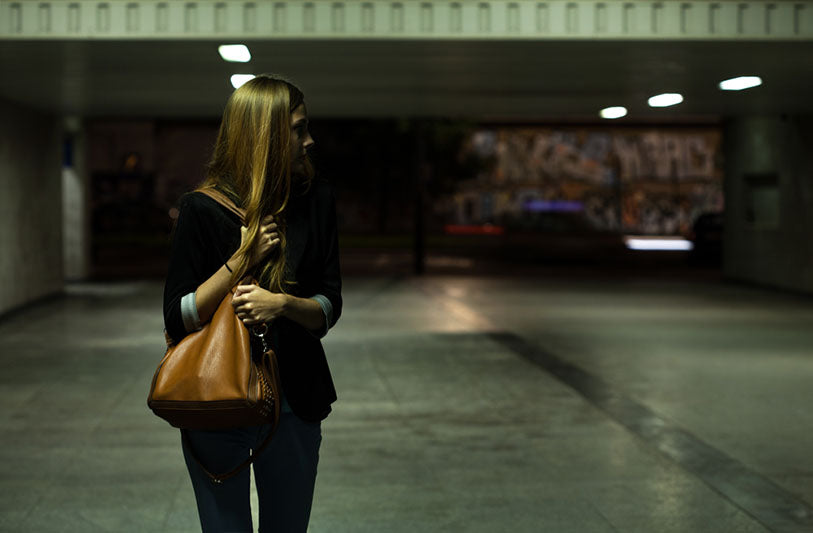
{"x":290,"y":245}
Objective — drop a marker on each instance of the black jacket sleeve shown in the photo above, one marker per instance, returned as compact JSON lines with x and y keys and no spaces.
{"x":190,"y":260}
{"x":183,"y":274}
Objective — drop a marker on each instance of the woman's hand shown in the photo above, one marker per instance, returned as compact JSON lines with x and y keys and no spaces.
{"x":267,"y":240}
{"x":255,"y":305}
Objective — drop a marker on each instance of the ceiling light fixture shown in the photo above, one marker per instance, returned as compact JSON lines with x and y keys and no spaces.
{"x":237,"y":80}
{"x":235,"y":53}
{"x":740,"y":83}
{"x":665,"y":100}
{"x":613,"y":112}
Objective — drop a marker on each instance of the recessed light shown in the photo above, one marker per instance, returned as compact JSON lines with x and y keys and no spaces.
{"x":740,"y":83}
{"x":237,"y":80}
{"x":235,"y":53}
{"x":613,"y":112}
{"x":665,"y":100}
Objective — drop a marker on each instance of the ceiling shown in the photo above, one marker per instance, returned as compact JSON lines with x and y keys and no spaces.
{"x":482,"y":80}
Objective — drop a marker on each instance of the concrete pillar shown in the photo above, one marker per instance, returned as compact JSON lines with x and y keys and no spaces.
{"x":769,"y":201}
{"x":30,"y":205}
{"x":75,"y":202}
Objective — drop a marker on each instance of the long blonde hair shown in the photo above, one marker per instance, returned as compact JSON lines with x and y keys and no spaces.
{"x":251,"y":164}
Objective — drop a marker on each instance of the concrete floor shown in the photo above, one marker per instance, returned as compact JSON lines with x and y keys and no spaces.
{"x":547,"y":404}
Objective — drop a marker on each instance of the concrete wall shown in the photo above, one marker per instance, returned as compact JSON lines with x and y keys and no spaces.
{"x":30,"y":206}
{"x":769,"y":201}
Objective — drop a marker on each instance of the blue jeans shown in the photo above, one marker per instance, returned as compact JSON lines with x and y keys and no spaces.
{"x":285,"y":475}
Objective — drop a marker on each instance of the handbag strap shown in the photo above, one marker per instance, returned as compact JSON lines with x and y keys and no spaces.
{"x":224,"y":200}
{"x":217,"y":479}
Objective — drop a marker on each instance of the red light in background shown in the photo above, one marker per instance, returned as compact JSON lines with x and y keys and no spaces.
{"x":472,"y":229}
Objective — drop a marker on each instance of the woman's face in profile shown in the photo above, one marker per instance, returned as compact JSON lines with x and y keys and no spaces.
{"x":301,"y":140}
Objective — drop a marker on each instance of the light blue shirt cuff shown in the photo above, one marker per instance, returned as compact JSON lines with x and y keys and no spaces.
{"x":327,"y":309}
{"x":189,"y":313}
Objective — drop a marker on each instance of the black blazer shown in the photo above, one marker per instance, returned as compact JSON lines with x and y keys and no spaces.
{"x":207,"y":234}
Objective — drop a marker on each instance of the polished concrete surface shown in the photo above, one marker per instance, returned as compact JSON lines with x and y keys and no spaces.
{"x":553,"y":403}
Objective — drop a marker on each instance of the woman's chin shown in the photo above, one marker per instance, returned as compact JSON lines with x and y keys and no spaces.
{"x":302,"y":169}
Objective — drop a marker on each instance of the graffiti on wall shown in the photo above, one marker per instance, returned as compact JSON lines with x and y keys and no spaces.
{"x":652,"y":181}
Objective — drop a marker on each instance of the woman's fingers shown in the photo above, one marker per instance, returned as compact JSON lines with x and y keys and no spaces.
{"x":267,"y":224}
{"x":247,"y":318}
{"x":243,"y":314}
{"x":270,"y":229}
{"x":268,"y":238}
{"x":239,"y":296}
{"x":271,"y":239}
{"x":270,"y":232}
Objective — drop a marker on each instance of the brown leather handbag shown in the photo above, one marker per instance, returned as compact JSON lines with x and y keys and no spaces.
{"x":210,"y":380}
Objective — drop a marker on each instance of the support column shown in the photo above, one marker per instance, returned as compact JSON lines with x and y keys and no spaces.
{"x":769,"y":201}
{"x":421,"y":172}
{"x":75,"y":203}
{"x":30,"y":206}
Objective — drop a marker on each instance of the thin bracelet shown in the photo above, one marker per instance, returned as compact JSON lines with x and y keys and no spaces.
{"x":227,"y":267}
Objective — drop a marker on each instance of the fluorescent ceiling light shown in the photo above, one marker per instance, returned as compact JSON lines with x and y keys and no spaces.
{"x":236,"y":53}
{"x":657,"y":243}
{"x":665,"y":100}
{"x":238,"y":80}
{"x":613,"y":112}
{"x":738,"y":84}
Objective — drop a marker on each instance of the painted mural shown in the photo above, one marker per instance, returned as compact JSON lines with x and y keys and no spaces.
{"x":641,"y":181}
